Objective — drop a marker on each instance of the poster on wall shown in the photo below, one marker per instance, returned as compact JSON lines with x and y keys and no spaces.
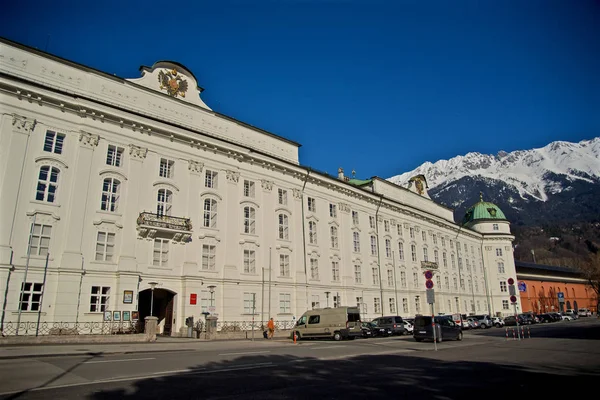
{"x":126,"y":316}
{"x":135,"y":316}
{"x":128,"y":296}
{"x":116,"y":315}
{"x":107,"y":315}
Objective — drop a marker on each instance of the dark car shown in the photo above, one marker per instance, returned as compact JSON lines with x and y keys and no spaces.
{"x":512,"y":321}
{"x":446,"y":328}
{"x":392,"y":323}
{"x":545,"y":318}
{"x":370,"y":329}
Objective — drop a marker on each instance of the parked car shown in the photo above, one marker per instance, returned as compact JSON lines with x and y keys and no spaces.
{"x":512,"y":321}
{"x":571,"y":314}
{"x":408,"y":326}
{"x":567,"y":317}
{"x":334,"y":323}
{"x":474,"y":323}
{"x":584,"y":312}
{"x":527,"y":319}
{"x":545,"y":318}
{"x":369,"y":330}
{"x":446,"y":328}
{"x":393,"y":324}
{"x":484,"y":321}
{"x":498,"y":322}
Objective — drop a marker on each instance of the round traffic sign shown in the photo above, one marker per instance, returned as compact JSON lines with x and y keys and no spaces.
{"x":429,"y":284}
{"x":513,"y":299}
{"x":511,"y":281}
{"x":428,"y":274}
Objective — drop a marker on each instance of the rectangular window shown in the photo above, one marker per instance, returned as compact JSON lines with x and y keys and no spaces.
{"x":443,"y":242}
{"x":403,"y":279}
{"x":208,"y":257}
{"x":444,"y":260}
{"x":32,"y":294}
{"x":105,"y":246}
{"x":356,"y":242}
{"x":249,"y":262}
{"x":392,"y":305}
{"x":503,"y":287}
{"x":210,"y":179}
{"x":357,"y":274}
{"x":399,"y":228}
{"x":166,"y":168}
{"x":424,"y":235}
{"x":415,"y":279}
{"x":312,"y":232}
{"x":373,"y":245}
{"x":161,"y":253}
{"x":249,"y":303}
{"x":401,"y":251}
{"x":434,"y":238}
{"x":40,"y":240}
{"x":377,"y":305}
{"x":332,"y":210}
{"x":405,"y":305}
{"x":284,"y":265}
{"x":505,"y":304}
{"x":312,"y":204}
{"x":375,"y":274}
{"x":54,"y":142}
{"x":413,"y":252}
{"x":499,"y":252}
{"x":354,"y":217}
{"x":335,"y":271}
{"x":361,"y":305}
{"x":412,"y":232}
{"x":99,"y":298}
{"x":390,"y":276}
{"x":500,"y":267}
{"x":495,"y":227}
{"x":314,"y":268}
{"x":425,"y":255}
{"x":372,"y":221}
{"x":455,"y":282}
{"x":248,"y":188}
{"x":114,"y":155}
{"x":282,"y":196}
{"x":417,"y":305}
{"x":315,"y":303}
{"x":386,"y":225}
{"x":388,"y":248}
{"x":285,"y":303}
{"x":249,"y":220}
{"x":334,"y":237}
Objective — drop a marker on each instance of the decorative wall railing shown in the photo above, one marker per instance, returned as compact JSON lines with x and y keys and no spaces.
{"x":244,"y":326}
{"x":179,"y":229}
{"x":69,"y":328}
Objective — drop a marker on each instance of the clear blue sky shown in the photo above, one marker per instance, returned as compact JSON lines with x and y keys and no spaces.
{"x":375,"y":86}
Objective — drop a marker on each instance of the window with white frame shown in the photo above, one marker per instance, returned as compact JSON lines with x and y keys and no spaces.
{"x":457,"y":304}
{"x":436,"y":257}
{"x":285,"y":303}
{"x":249,"y":220}
{"x":455,"y":283}
{"x":208,"y":257}
{"x":495,"y":227}
{"x":449,"y":306}
{"x":412,"y":232}
{"x":424,"y":235}
{"x":361,"y":305}
{"x":32,"y":294}
{"x":210,"y":213}
{"x":53,"y":142}
{"x":399,"y":229}
{"x":425,"y":255}
{"x":377,"y":305}
{"x":334,"y":237}
{"x":460,"y":265}
{"x":401,"y":251}
{"x":249,"y":303}
{"x":315,"y":303}
{"x":47,"y":184}
{"x":392,"y":303}
{"x":468,"y":264}
{"x":160,"y":256}
{"x":403,"y":279}
{"x":284,"y":265}
{"x":443,"y":242}
{"x":470,"y":285}
{"x":332,"y":210}
{"x":312,"y":204}
{"x":314,"y":268}
{"x":105,"y":246}
{"x":375,"y":274}
{"x":356,"y":242}
{"x":210,"y":179}
{"x":500,"y":267}
{"x":405,"y":305}
{"x":498,"y":252}
{"x":466,"y":248}
{"x":505,"y":305}
{"x":164,"y":202}
{"x":444,"y":260}
{"x":312,"y":232}
{"x":99,"y":298}
{"x":249,"y":261}
{"x":371,"y":221}
{"x":462,"y":283}
{"x":503,"y":287}
{"x":114,"y":155}
{"x":166,"y":168}
{"x":453,"y":261}
{"x":388,"y":248}
{"x":357,"y":274}
{"x":354,"y":217}
{"x":248,"y":188}
{"x":282,"y":196}
{"x":417,"y":305}
{"x":283,"y":227}
{"x":413,"y":252}
{"x":111,"y":189}
{"x":335,"y":271}
{"x":434,"y":238}
{"x":476,"y":287}
{"x":390,"y":277}
{"x":386,"y":225}
{"x":373,"y":245}
{"x":40,"y":240}
{"x":415,"y":279}
{"x":447,"y":282}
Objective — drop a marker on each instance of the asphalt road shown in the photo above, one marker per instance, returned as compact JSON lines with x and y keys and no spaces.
{"x":484,"y":364}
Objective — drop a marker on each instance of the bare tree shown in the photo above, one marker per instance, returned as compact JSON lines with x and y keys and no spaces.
{"x":591,"y":272}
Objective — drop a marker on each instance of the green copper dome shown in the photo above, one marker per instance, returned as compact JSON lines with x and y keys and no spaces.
{"x":483,"y":210}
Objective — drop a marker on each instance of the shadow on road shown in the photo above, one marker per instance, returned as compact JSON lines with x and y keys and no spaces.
{"x":589,"y":330}
{"x":362,"y":377}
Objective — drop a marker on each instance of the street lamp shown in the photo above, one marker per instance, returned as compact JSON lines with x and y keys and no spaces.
{"x":211,"y":288}
{"x":152,"y":286}
{"x":327,"y":296}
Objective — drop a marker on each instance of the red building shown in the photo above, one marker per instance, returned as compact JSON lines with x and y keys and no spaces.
{"x":540,"y":288}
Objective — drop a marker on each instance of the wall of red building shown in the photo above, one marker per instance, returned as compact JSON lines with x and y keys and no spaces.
{"x":542,"y":296}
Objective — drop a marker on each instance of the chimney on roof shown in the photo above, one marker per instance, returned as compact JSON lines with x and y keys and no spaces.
{"x":341,"y":173}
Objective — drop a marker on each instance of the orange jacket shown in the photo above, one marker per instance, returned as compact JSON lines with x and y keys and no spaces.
{"x":271,"y":325}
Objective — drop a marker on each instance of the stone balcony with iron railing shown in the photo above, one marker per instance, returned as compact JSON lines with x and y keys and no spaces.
{"x":177,"y":229}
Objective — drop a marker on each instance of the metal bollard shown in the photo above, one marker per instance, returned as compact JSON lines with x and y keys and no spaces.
{"x":529,"y":333}
{"x":514,"y":334}
{"x":506,"y":333}
{"x":522,"y":332}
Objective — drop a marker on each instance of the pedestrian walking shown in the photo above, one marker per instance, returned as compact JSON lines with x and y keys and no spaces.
{"x":271,"y":328}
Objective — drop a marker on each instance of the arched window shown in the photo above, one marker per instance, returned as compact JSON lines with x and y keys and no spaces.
{"x":283,"y":227}
{"x":164,"y":201}
{"x":249,"y":220}
{"x":47,"y":184}
{"x":210,"y":213}
{"x":111,"y":189}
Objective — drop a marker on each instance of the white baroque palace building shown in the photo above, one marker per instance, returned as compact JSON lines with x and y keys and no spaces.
{"x":112,"y":186}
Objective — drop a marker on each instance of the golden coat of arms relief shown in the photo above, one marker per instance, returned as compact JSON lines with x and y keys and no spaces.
{"x":172,"y":82}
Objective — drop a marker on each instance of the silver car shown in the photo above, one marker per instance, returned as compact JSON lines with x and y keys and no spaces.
{"x":484,"y":321}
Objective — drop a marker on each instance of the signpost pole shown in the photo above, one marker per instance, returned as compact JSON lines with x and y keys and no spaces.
{"x":433,"y":325}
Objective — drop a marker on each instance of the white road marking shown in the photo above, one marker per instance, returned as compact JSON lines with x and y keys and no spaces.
{"x":332,"y":347}
{"x":247,"y":352}
{"x":110,"y":361}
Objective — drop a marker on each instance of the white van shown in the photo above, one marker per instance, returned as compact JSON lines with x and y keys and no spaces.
{"x":334,"y":323}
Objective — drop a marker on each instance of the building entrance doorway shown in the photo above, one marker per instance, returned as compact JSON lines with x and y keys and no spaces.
{"x":162,"y":308}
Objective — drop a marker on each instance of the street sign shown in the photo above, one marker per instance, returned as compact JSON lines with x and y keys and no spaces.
{"x":428,"y":275}
{"x":430,"y":296}
{"x":513,"y":299}
{"x":522,"y":286}
{"x":511,"y":281}
{"x":193,"y":299}
{"x":429,"y":284}
{"x":512,"y":291}
{"x":561,"y":297}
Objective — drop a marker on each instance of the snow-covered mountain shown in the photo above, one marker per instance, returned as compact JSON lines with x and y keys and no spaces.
{"x":557,"y":182}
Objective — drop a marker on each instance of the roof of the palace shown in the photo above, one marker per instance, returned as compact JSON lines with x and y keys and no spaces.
{"x":483,"y":210}
{"x":547,"y":268}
